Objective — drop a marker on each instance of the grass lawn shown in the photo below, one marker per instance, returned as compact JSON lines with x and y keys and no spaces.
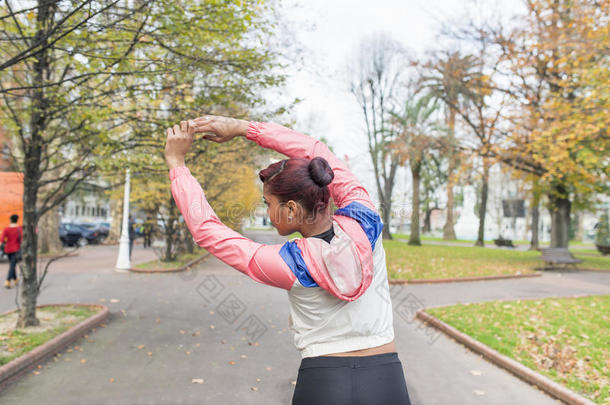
{"x":53,"y":321}
{"x":436,"y":261}
{"x":180,"y":261}
{"x":565,"y":339}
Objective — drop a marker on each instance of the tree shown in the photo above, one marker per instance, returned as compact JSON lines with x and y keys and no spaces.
{"x":448,"y":75}
{"x":375,"y":82}
{"x":75,"y":69}
{"x":412,"y":144}
{"x":558,"y":70}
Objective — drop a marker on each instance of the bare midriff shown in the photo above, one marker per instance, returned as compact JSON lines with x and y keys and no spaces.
{"x":371,"y":351}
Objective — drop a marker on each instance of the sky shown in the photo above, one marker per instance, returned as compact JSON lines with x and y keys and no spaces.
{"x":330,"y":32}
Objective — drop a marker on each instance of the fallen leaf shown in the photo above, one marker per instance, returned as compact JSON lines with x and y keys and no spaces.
{"x":211,"y":312}
{"x":140,"y":347}
{"x":268,"y":368}
{"x":102,"y":299}
{"x":115,"y":300}
{"x":293,"y":382}
{"x":149,"y":353}
{"x":158,"y":320}
{"x":243,"y":356}
{"x":111,"y":380}
{"x":212,"y":326}
{"x":182,"y":332}
{"x":196,"y":333}
{"x":197,"y":381}
{"x":475,"y":372}
{"x":479,"y":392}
{"x":258,"y":380}
{"x":188,"y":353}
{"x":83,"y":361}
{"x":232,"y":363}
{"x":254,"y":388}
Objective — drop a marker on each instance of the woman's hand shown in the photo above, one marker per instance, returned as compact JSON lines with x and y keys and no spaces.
{"x":179,"y":141}
{"x":216,"y":128}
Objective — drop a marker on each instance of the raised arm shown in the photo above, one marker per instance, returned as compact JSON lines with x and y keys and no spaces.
{"x":262,"y":263}
{"x":345,"y":187}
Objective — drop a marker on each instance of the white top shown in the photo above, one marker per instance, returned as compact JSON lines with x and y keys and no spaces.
{"x":324,"y":324}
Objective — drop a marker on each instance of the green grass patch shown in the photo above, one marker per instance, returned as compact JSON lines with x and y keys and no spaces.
{"x":565,"y":339}
{"x":436,"y":261}
{"x":439,"y":261}
{"x":54,"y":320}
{"x":180,"y":261}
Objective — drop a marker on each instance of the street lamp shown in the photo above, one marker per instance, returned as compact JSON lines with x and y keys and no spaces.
{"x":123,"y":262}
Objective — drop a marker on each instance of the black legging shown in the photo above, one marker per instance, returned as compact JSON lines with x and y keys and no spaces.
{"x":366,"y":380}
{"x":12,"y":258}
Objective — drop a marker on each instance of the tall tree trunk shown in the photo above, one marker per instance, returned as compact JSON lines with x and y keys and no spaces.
{"x":535,"y":242}
{"x":386,"y":209}
{"x":31,"y":169}
{"x":427,"y":220}
{"x":414,"y":238}
{"x":48,"y":240}
{"x":448,"y":229}
{"x":560,"y":217}
{"x":483,"y":205}
{"x":579,"y":232}
{"x":116,"y":212}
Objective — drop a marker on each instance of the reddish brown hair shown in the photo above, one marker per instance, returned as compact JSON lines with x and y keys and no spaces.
{"x":302,"y":180}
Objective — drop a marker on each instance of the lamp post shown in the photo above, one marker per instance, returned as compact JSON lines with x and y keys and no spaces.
{"x":123,"y":261}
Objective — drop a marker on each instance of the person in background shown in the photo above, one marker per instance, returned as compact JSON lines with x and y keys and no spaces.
{"x":132,"y":235}
{"x":11,"y":237}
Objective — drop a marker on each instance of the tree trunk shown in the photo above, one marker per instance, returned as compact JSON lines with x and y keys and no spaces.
{"x":32,"y":148}
{"x":414,"y":238}
{"x":535,"y":242}
{"x":48,"y":240}
{"x":427,"y":221}
{"x":579,"y":231}
{"x":448,"y":229}
{"x":116,"y":212}
{"x":560,"y":217}
{"x":385,"y":216}
{"x":483,"y":205}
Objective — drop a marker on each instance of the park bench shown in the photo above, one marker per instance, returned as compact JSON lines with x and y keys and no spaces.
{"x":504,"y":242}
{"x":558,"y":256}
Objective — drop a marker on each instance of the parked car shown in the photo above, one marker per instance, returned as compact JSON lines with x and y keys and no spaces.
{"x":101,"y":229}
{"x":77,"y":235}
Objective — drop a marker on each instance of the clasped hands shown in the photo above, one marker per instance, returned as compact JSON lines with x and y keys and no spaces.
{"x":215,"y":128}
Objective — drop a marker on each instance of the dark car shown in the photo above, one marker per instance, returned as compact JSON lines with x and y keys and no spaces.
{"x":101,"y":229}
{"x":77,"y":235}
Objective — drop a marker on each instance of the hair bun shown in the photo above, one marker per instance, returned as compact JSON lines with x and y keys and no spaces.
{"x":320,"y":171}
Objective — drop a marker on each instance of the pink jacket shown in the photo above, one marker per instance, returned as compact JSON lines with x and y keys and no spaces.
{"x":344,"y":267}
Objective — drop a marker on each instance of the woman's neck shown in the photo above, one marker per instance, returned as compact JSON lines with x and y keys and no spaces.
{"x":321,"y":225}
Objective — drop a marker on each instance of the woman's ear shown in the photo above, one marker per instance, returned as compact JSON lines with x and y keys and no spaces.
{"x":294,"y":210}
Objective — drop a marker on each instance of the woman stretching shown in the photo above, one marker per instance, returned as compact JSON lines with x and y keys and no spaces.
{"x":336,"y":278}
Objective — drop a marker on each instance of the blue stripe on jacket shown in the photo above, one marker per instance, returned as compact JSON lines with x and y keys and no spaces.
{"x":293,"y":257}
{"x":368,"y":219}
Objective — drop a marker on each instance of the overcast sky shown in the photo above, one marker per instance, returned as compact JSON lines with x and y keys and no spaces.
{"x":331,"y":31}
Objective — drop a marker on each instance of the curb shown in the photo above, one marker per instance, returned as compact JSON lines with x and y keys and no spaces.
{"x":19,"y":366}
{"x":463,"y":279}
{"x":528,"y":375}
{"x":172,"y":270}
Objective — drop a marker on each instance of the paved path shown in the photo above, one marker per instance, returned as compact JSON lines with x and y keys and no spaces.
{"x":246,"y":355}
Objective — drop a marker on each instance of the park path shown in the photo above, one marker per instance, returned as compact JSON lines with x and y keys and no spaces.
{"x":167,"y":329}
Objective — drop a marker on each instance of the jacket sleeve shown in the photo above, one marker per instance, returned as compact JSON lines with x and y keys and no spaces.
{"x":344,"y":188}
{"x":259,"y":262}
